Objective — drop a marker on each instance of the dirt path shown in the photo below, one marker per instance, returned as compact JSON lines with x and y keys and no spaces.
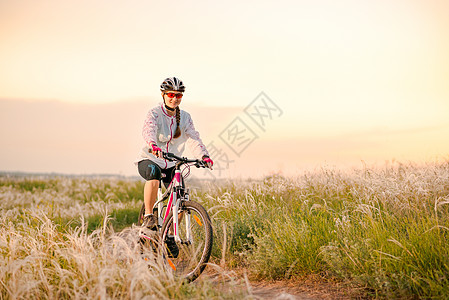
{"x":306,"y":289}
{"x":300,"y":290}
{"x":277,"y":290}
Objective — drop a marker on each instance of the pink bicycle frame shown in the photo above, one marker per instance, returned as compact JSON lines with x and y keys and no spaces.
{"x":173,"y":204}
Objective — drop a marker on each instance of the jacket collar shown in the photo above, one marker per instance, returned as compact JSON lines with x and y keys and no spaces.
{"x":164,"y":110}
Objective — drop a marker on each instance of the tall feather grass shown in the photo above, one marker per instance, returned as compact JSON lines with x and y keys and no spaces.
{"x":44,"y":259}
{"x":386,"y":229}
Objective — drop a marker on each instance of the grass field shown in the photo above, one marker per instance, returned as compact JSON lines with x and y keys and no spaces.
{"x":384,"y":231}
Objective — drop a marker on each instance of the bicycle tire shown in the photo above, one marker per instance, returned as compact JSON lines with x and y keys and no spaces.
{"x":192,"y":258}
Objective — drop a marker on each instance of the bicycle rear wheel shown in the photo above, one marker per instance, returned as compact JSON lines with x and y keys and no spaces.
{"x":191,"y":254}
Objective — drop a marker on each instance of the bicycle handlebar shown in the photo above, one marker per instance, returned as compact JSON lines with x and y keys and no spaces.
{"x":183,"y":160}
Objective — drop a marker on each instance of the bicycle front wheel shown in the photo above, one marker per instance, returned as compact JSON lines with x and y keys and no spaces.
{"x":189,"y":256}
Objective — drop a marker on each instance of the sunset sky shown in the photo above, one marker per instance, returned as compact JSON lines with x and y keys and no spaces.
{"x":355,"y":81}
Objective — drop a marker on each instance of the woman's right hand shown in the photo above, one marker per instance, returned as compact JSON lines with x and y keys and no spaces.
{"x":156,"y":150}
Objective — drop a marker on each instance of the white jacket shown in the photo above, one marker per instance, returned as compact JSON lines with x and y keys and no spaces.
{"x":159,"y":128}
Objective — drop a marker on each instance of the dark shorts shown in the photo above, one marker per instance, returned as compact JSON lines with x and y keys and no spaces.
{"x":149,"y":170}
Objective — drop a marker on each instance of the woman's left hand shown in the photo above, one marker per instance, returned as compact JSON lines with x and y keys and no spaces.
{"x":209,"y":162}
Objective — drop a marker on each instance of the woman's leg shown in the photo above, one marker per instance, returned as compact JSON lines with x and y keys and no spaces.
{"x":150,"y":195}
{"x":152,"y":174}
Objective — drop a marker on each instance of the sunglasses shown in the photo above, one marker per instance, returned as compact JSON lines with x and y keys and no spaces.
{"x":171,"y":95}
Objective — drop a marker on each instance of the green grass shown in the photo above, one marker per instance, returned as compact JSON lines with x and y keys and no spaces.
{"x":119,"y":219}
{"x":385,"y":230}
{"x":29,"y":185}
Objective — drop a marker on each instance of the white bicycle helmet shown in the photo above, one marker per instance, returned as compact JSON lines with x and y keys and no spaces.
{"x":172,"y":84}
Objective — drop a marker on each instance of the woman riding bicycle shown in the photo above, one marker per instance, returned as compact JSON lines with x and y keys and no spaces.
{"x":166,"y":128}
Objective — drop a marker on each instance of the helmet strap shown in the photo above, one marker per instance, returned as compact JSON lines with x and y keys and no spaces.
{"x":169,"y":108}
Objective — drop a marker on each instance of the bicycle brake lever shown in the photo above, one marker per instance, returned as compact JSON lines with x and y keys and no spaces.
{"x":200,"y":164}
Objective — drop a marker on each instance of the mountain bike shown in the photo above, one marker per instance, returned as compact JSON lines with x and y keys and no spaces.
{"x":183,"y":226}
